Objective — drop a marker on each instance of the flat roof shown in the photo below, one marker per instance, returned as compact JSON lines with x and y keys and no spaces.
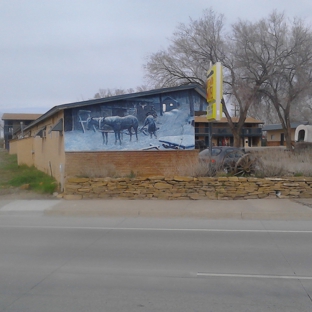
{"x":203,"y":118}
{"x":279,"y":126}
{"x":20,"y":116}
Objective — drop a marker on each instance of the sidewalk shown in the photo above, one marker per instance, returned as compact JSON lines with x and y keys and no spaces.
{"x":254,"y":209}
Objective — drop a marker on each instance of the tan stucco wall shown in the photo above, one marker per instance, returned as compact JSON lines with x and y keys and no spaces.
{"x":13,"y":147}
{"x":24,"y":151}
{"x":45,"y":153}
{"x":277,"y":136}
{"x":49,"y":154}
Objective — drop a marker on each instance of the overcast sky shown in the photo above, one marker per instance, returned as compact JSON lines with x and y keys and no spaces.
{"x":61,"y":51}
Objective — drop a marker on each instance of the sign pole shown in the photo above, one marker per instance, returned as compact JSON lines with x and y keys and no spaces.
{"x":214,"y":88}
{"x":210,"y":138}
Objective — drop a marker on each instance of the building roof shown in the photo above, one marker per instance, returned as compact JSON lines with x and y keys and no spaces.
{"x":293,"y":125}
{"x":20,"y":116}
{"x":61,"y":107}
{"x":250,"y":120}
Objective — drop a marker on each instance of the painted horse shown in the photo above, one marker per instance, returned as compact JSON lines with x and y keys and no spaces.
{"x":96,"y":124}
{"x":118,"y":124}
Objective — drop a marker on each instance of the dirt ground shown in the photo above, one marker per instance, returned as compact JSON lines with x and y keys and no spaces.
{"x":17,"y":193}
{"x":7,"y":192}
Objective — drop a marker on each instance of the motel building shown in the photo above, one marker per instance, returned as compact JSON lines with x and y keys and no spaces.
{"x":146,"y":133}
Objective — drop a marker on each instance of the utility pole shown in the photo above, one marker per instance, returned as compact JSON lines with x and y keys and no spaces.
{"x":235,"y":109}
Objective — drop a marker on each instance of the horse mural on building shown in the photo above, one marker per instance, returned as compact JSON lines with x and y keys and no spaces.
{"x":96,"y":124}
{"x":118,"y":124}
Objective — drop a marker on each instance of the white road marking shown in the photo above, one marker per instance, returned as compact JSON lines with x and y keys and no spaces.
{"x":151,"y":229}
{"x":291,"y":277}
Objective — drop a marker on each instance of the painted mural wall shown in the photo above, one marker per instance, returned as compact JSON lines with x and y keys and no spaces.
{"x":158,"y":122}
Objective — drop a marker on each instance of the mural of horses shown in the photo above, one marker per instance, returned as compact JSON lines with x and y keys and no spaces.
{"x":96,"y":124}
{"x":121,"y":123}
{"x":151,"y":125}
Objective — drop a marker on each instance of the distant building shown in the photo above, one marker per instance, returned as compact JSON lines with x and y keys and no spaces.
{"x":275,"y":135}
{"x":251,"y":134}
{"x":12,"y":123}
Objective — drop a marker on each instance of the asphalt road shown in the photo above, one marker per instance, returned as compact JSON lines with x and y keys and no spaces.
{"x":53,"y":261}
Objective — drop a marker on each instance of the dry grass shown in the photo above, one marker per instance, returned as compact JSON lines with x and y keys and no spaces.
{"x":195,"y":169}
{"x":269,"y":162}
{"x":280,"y":162}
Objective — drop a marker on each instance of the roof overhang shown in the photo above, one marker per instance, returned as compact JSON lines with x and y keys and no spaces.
{"x":58,"y":126}
{"x":40,"y":132}
{"x":130,"y":96}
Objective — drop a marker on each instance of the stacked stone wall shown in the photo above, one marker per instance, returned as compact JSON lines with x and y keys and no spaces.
{"x":179,"y":187}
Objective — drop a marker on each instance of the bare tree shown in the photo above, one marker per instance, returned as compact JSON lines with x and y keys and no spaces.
{"x":188,"y":58}
{"x":240,"y":86}
{"x":303,"y":110}
{"x":289,"y":66}
{"x":264,"y":111}
{"x":267,"y":63}
{"x":246,"y":63}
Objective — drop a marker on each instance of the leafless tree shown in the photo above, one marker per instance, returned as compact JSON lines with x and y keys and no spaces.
{"x":266,"y":63}
{"x":303,"y":111}
{"x":282,"y":49}
{"x":240,"y":86}
{"x":188,"y":58}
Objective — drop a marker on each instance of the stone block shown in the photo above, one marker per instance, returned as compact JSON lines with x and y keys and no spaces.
{"x":161,"y":186}
{"x":84,"y":190}
{"x":78,"y":180}
{"x":183,"y":179}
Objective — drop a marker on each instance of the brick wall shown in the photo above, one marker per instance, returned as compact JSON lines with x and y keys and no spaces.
{"x":138,"y":163}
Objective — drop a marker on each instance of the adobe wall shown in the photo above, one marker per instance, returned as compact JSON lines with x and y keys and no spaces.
{"x":13,"y":147}
{"x":24,"y":151}
{"x":179,"y":187}
{"x":129,"y":163}
{"x":275,"y":141}
{"x":49,"y":155}
{"x":45,"y":152}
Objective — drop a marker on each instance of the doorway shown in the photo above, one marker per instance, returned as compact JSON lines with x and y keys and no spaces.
{"x":282,"y":139}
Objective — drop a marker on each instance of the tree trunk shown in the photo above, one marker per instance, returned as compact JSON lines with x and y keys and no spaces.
{"x":288,"y":138}
{"x":237,"y":137}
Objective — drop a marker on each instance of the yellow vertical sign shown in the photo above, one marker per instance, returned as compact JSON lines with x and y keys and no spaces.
{"x":211,"y":90}
{"x":214,"y":90}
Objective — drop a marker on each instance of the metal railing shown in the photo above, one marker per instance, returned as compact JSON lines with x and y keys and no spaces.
{"x":227,"y":132}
